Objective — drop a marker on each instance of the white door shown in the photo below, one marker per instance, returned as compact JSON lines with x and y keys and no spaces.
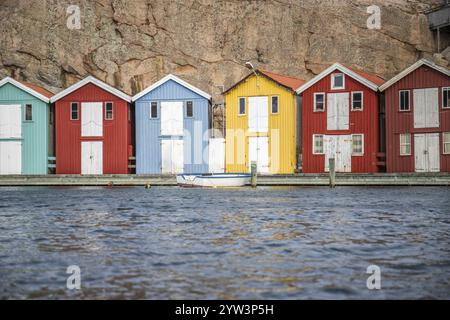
{"x":92,"y":119}
{"x":91,"y":157}
{"x":258,"y":114}
{"x":216,"y":155}
{"x":426,"y":152}
{"x":258,"y":151}
{"x":426,"y":108}
{"x":338,"y":108}
{"x":172,"y":118}
{"x":338,"y":147}
{"x":10,"y":121}
{"x":10,"y":157}
{"x":172,"y":156}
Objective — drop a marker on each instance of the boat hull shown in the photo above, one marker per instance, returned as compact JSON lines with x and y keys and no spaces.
{"x":213,"y":181}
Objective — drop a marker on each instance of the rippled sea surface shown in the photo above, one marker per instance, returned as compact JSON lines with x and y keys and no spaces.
{"x":265,"y":243}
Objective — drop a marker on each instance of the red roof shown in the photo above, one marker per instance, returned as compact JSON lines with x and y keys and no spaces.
{"x":369,"y":76}
{"x":38,"y":89}
{"x":290,"y":82}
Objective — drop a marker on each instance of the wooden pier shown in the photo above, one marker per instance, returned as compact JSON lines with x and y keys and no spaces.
{"x":379,"y":179}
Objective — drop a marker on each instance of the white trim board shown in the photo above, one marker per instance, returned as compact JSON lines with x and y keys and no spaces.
{"x":94,"y":81}
{"x":411,"y":68}
{"x":177,"y":80}
{"x":343,"y":69}
{"x":24,"y":88}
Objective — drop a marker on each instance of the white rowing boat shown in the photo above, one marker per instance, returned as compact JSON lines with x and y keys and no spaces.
{"x":214,"y":180}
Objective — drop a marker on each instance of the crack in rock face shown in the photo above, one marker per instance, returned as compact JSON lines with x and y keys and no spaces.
{"x":131,"y":44}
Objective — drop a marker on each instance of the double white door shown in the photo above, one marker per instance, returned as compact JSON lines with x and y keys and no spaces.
{"x":426,"y":108}
{"x":258,"y":114}
{"x":172,"y":156}
{"x":92,"y":119}
{"x":11,"y":150}
{"x":258,"y":151}
{"x":338,"y":108}
{"x":91,"y":157}
{"x":426,"y":152}
{"x":338,"y":147}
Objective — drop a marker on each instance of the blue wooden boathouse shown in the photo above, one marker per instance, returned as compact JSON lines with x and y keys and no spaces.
{"x":172,"y":122}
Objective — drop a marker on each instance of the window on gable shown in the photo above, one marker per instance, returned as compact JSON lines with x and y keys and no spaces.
{"x":74,"y":111}
{"x":154,"y":110}
{"x":189,"y":109}
{"x":28,"y":112}
{"x":357,"y":144}
{"x":405,"y":144}
{"x":337,"y":81}
{"x":404,"y":100}
{"x":241,"y":106}
{"x":446,"y":98}
{"x":318,"y":144}
{"x":109,"y":111}
{"x":357,"y":101}
{"x":319,"y":102}
{"x":275,"y":104}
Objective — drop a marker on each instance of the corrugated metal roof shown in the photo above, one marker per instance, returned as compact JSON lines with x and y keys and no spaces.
{"x":38,"y":89}
{"x":369,"y":76}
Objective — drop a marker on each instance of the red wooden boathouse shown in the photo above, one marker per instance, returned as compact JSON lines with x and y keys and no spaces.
{"x":417,"y":103}
{"x":93,"y":129}
{"x":340,"y":119}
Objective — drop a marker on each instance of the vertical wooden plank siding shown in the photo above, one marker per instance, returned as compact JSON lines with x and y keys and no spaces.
{"x":360,"y":122}
{"x":403,"y":122}
{"x":116,"y":133}
{"x":282,"y":126}
{"x":34,"y":133}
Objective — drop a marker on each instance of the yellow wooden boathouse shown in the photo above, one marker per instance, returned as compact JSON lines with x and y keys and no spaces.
{"x":261,"y":123}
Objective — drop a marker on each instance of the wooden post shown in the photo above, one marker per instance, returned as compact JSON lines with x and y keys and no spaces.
{"x":254,"y":171}
{"x":332,"y":172}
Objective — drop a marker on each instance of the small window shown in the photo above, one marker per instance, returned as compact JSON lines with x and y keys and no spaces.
{"x":189,"y":109}
{"x":154,"y":110}
{"x":446,"y":141}
{"x":241,"y":106}
{"x":274,"y":104}
{"x":405,"y":144}
{"x":357,"y":101}
{"x":109,"y":111}
{"x":74,"y":113}
{"x":337,"y":81}
{"x":28,"y":112}
{"x":404,"y":100}
{"x":319,"y":102}
{"x":318,"y":144}
{"x":446,"y":98}
{"x":357,"y":144}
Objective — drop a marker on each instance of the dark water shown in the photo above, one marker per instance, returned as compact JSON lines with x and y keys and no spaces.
{"x":269,"y":243}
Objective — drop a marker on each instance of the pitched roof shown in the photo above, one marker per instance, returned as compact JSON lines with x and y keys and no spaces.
{"x":413,"y":67}
{"x":34,"y":90}
{"x":173,"y":78}
{"x":371,"y":81}
{"x":290,"y":83}
{"x":94,"y":81}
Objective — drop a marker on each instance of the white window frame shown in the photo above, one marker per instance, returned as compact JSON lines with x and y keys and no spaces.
{"x":151,"y":106}
{"x":192,"y":104}
{"x":358,"y":154}
{"x":315,"y":99}
{"x":405,"y":144}
{"x":314,"y":144}
{"x":78,"y":111}
{"x":444,"y":142}
{"x":448,"y":100}
{"x":400,"y":100}
{"x":362,"y":101}
{"x":239,"y":106}
{"x":112,"y":111}
{"x":332,"y":81}
{"x":278,"y":106}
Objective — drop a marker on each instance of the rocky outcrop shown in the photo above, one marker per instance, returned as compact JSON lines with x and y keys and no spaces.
{"x":132,"y":43}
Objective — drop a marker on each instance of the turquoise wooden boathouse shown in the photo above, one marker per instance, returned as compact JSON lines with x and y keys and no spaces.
{"x":172,"y":122}
{"x":24,"y":128}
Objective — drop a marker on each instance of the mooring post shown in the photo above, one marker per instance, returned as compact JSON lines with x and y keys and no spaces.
{"x":332,"y":172}
{"x":254,"y":171}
